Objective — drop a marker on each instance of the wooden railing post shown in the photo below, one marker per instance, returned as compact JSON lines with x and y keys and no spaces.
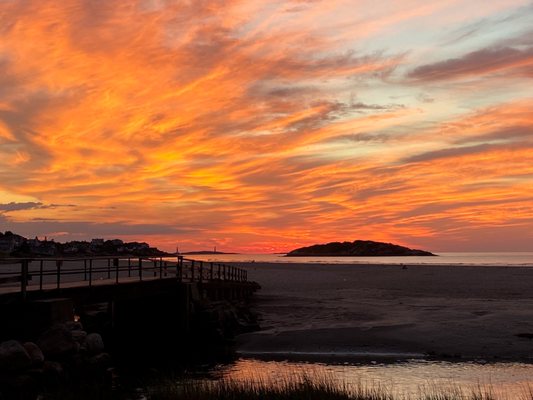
{"x":90,"y":272}
{"x":218,"y":272}
{"x":84,"y":270}
{"x":58,"y":272}
{"x":192,"y":270}
{"x":129,"y":267}
{"x":140,"y":269}
{"x":160,"y":268}
{"x":116,"y":262}
{"x":108,"y":268}
{"x":24,"y":279}
{"x":211,"y":271}
{"x":201,"y":277}
{"x":179,"y":268}
{"x":41,"y":274}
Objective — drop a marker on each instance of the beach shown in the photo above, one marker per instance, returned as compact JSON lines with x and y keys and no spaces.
{"x":350,"y":311}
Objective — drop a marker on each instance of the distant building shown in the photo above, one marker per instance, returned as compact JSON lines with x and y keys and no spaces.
{"x":97,"y":242}
{"x":46,"y":249}
{"x":10,"y":242}
{"x":71,"y":249}
{"x":7,"y":245}
{"x":117,"y":242}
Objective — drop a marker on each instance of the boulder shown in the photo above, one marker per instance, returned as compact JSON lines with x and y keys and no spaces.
{"x":13,"y":356}
{"x":79,"y":336}
{"x":57,"y":342}
{"x":74,"y":325}
{"x":35,"y":353}
{"x":100,"y":361}
{"x":53,"y":372}
{"x":94,"y":343}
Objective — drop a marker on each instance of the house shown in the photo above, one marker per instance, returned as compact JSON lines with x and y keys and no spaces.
{"x":7,"y":245}
{"x":97,"y":242}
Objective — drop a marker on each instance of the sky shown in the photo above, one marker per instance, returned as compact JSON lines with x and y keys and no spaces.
{"x":262,"y":126}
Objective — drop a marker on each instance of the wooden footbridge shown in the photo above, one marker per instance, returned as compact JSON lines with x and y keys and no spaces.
{"x":28,"y":278}
{"x":37,"y":292}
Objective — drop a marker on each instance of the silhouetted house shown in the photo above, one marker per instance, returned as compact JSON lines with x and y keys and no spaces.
{"x":97,"y":242}
{"x":10,"y":242}
{"x":7,"y":245}
{"x":42,"y":247}
{"x":34,"y":243}
{"x":71,"y":250}
{"x":117,"y":242}
{"x":46,"y":249}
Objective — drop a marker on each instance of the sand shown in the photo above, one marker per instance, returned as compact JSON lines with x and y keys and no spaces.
{"x":315,"y":310}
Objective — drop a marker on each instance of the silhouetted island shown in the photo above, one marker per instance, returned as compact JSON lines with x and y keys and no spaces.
{"x":358,"y":248}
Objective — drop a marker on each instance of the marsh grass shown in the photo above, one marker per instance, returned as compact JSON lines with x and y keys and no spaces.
{"x":291,"y":387}
{"x":306,"y":388}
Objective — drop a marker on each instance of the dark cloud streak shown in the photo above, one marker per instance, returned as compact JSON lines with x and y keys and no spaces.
{"x":477,"y":63}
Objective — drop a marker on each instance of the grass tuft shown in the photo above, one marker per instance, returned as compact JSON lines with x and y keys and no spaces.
{"x":302,"y":388}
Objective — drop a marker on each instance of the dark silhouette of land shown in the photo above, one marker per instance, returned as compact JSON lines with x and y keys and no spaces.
{"x":13,"y":245}
{"x":358,"y":248}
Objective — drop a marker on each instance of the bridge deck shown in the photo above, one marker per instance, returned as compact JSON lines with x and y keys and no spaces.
{"x":29,"y":276}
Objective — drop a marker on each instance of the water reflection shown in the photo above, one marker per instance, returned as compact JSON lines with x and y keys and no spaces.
{"x":408,"y":378}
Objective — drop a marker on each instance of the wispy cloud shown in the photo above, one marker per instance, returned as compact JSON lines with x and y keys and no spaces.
{"x":478,"y":63}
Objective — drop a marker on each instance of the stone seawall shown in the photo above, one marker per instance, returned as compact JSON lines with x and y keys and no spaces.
{"x":57,"y":342}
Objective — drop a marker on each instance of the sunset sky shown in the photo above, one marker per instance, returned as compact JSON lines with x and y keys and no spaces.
{"x":261,"y":126}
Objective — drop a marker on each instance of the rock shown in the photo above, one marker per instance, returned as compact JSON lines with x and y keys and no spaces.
{"x":23,"y":384}
{"x":79,"y":336}
{"x":13,"y":356}
{"x":74,"y":325}
{"x":95,"y":343}
{"x":53,"y":372}
{"x":35,"y":353}
{"x":100,"y":361}
{"x":57,"y":342}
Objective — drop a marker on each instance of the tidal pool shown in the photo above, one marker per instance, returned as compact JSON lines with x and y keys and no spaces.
{"x":405,"y":379}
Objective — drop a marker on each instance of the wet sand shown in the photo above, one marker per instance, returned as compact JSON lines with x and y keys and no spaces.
{"x":316,"y":310}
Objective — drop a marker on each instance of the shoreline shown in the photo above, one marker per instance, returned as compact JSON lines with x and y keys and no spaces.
{"x":434,"y":311}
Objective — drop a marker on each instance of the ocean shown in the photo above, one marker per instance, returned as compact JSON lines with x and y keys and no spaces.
{"x":506,"y":259}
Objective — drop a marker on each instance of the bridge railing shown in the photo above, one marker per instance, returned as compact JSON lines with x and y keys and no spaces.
{"x":38,"y":274}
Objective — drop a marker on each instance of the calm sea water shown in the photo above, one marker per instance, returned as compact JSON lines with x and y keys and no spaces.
{"x":524,"y":259}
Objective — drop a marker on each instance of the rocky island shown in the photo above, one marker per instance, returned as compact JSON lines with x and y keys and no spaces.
{"x":357,"y":248}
